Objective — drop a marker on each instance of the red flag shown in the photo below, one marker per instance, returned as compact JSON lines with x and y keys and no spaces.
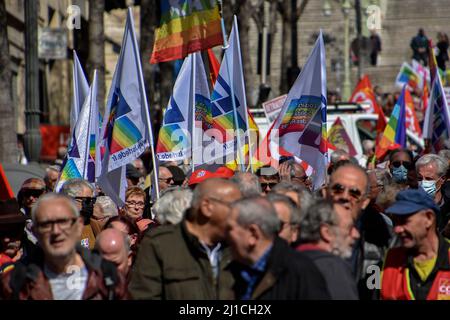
{"x":364,"y":93}
{"x":5,"y":189}
{"x":214,"y":66}
{"x":411,"y":119}
{"x":424,"y":102}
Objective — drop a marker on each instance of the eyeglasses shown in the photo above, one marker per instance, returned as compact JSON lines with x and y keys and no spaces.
{"x":36,"y":193}
{"x":221,"y":201}
{"x":64,"y":224}
{"x":86,"y":200}
{"x":408,"y":165}
{"x":264,"y":185}
{"x":354,"y":193}
{"x":166,"y":180}
{"x":302,"y":178}
{"x":135,"y":204}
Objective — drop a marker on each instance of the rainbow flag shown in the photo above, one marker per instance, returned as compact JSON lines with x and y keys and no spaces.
{"x":395,"y":132}
{"x":407,"y":75}
{"x":300,"y":129}
{"x":126,"y":129}
{"x":186,"y":26}
{"x":80,"y":158}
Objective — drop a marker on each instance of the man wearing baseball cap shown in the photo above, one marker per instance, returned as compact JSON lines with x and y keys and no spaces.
{"x":419,"y":269}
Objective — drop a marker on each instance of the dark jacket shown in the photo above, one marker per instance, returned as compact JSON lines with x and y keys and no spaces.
{"x":337,"y":273}
{"x":171,"y":264}
{"x":289,"y":275}
{"x":27,"y":281}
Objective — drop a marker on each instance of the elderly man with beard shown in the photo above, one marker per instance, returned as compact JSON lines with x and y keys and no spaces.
{"x":327,"y":236}
{"x":62,"y":270}
{"x":420,"y":268}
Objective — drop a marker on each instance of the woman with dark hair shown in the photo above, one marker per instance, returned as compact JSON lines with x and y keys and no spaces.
{"x":442,"y":48}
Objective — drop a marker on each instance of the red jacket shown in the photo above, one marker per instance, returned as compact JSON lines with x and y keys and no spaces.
{"x":28,"y":282}
{"x":396,"y":279}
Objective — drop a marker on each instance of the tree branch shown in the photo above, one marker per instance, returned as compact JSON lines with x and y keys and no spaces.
{"x":301,"y":9}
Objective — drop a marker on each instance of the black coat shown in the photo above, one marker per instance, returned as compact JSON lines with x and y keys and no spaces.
{"x":290,"y":275}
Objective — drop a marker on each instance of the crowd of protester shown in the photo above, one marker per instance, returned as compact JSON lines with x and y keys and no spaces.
{"x":368,"y":233}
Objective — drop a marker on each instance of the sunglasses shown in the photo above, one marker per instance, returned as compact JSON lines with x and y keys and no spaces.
{"x":264,"y":185}
{"x":408,"y":165}
{"x":87,"y":201}
{"x":354,"y":193}
{"x":36,"y":193}
{"x":166,"y":180}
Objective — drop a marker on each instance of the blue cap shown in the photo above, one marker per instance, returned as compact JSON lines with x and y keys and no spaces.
{"x":411,"y":201}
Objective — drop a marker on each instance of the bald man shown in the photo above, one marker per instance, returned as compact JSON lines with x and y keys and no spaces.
{"x":114,"y":246}
{"x":188,"y":261}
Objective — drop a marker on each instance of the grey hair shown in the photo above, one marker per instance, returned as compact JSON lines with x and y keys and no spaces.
{"x":445,"y":154}
{"x":109,"y":208}
{"x":289,"y":203}
{"x":74,"y":187}
{"x":304,"y":195}
{"x":170,"y":208}
{"x":248,"y":184}
{"x":319,"y":213}
{"x":52,"y":168}
{"x":54,"y":196}
{"x":258,"y":211}
{"x":441,"y":164}
{"x":382,"y":176}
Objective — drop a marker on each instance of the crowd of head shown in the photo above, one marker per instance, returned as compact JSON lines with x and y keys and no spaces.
{"x":233,"y":235}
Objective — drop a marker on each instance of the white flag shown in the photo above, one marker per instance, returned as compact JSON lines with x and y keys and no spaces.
{"x":80,"y":91}
{"x":78,"y":158}
{"x":126,"y":128}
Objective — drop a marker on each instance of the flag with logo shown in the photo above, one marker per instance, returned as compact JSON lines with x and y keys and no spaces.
{"x":223,"y":113}
{"x":436,"y":126}
{"x":126,"y":130}
{"x":214,"y":67}
{"x":339,"y":139}
{"x":80,"y":90}
{"x":407,"y":75}
{"x":300,"y":128}
{"x":395,"y":132}
{"x":80,"y":161}
{"x":364,"y":93}
{"x":186,"y":26}
{"x":412,"y":123}
{"x":423,"y":73}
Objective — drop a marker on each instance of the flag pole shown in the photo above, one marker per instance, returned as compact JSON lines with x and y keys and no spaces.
{"x":193,"y":66}
{"x":144,"y":96}
{"x":233,"y":102}
{"x":88,"y":136}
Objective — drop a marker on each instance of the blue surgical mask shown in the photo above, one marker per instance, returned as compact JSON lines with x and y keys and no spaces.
{"x":400,"y":174}
{"x":429,"y":186}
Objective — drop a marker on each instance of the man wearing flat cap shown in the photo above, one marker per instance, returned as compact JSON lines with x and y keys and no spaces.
{"x":419,"y":269}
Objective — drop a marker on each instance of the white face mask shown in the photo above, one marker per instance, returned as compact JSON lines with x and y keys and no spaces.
{"x":429,"y":186}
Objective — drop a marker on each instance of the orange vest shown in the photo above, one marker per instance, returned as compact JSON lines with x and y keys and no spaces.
{"x":395,"y":284}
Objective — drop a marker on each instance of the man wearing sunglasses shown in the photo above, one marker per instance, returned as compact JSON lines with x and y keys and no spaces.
{"x":349,"y":188}
{"x":268,"y":178}
{"x":165,"y":178}
{"x":83,"y":194}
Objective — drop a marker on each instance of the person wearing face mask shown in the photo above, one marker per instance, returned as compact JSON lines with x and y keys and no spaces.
{"x":83,"y":194}
{"x":401,"y":166}
{"x":432,"y":173}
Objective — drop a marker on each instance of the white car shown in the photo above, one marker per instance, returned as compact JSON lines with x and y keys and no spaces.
{"x":358,"y":124}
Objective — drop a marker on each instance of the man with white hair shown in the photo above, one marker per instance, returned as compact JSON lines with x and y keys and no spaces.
{"x":266,"y":267}
{"x":170,"y":208}
{"x":104,"y":208}
{"x":51,"y":177}
{"x":432,"y":174}
{"x":248,"y":183}
{"x":63,"y":270}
